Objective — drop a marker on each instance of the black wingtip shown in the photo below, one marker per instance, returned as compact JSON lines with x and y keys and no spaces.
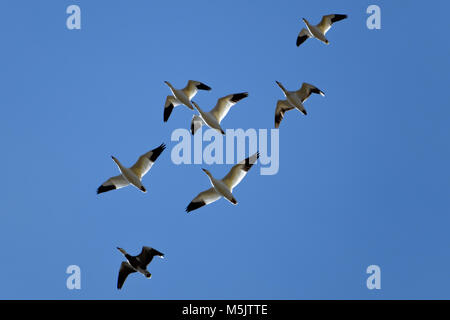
{"x":278,"y":119}
{"x":301,"y":39}
{"x":168,"y":112}
{"x":317,"y":91}
{"x":249,"y":162}
{"x":239,"y":96}
{"x":194,"y":206}
{"x":339,"y":17}
{"x":157,"y":151}
{"x":203,"y":86}
{"x":102,"y":188}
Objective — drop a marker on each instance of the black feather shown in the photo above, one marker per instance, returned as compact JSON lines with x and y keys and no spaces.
{"x":103,"y":188}
{"x":156,"y":152}
{"x":317,"y":91}
{"x":167,"y":112}
{"x":249,"y":164}
{"x":203,"y":86}
{"x":301,"y":39}
{"x":195,"y":205}
{"x":239,"y":96}
{"x":338,"y":17}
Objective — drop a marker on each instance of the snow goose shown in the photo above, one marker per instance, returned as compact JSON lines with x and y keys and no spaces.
{"x":294,"y":99}
{"x":183,"y":96}
{"x":224,"y":187}
{"x":319,"y":30}
{"x":136,"y":264}
{"x":134,"y":174}
{"x":213,"y":118}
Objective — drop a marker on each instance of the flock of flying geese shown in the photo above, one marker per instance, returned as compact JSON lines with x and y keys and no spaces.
{"x":219,"y":187}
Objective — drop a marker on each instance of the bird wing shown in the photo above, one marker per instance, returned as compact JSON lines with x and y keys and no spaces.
{"x":202,"y":199}
{"x":224,"y":104}
{"x":125,"y":270}
{"x":282,"y":107}
{"x":192,"y":87}
{"x":305,"y":91}
{"x":238,"y":172}
{"x":171,"y":102}
{"x":303,"y":36}
{"x":147,"y":254}
{"x":327,"y":21}
{"x":113,"y":183}
{"x":196,"y":124}
{"x":145,"y":162}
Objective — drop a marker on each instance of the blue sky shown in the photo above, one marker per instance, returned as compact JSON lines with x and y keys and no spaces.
{"x":364,"y":178}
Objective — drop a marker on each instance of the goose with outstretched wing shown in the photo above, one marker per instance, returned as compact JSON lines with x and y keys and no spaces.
{"x":213,"y":118}
{"x":294,"y":100}
{"x":134,"y":174}
{"x":224,"y":187}
{"x":137,"y":263}
{"x":319,"y":31}
{"x":182,"y":97}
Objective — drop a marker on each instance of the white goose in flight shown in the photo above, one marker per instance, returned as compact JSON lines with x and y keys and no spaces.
{"x":213,"y":118}
{"x":183,"y":96}
{"x":223,"y":187}
{"x":294,"y":100}
{"x":134,"y":174}
{"x":319,"y":30}
{"x":136,"y":264}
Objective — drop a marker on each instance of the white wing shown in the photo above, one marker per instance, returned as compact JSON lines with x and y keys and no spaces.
{"x":113,"y":183}
{"x":303,"y":36}
{"x":196,"y":124}
{"x":203,"y":198}
{"x":171,"y":102}
{"x":192,"y":87}
{"x":145,"y":162}
{"x":224,"y":104}
{"x":327,"y":21}
{"x":305,"y":91}
{"x":282,"y":107}
{"x":238,"y":172}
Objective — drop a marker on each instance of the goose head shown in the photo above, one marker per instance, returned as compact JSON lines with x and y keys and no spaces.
{"x":116,"y":161}
{"x":169,"y":85}
{"x":121,"y":250}
{"x":148,"y":275}
{"x":207,"y":172}
{"x":281,"y":87}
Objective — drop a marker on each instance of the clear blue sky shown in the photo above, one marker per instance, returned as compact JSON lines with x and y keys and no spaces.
{"x":364,"y":178}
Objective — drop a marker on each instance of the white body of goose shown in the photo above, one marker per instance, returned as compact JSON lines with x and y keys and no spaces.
{"x":294,"y":100}
{"x":182,"y":97}
{"x":213,"y":118}
{"x":134,"y":174}
{"x":223,"y":187}
{"x":319,"y":31}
